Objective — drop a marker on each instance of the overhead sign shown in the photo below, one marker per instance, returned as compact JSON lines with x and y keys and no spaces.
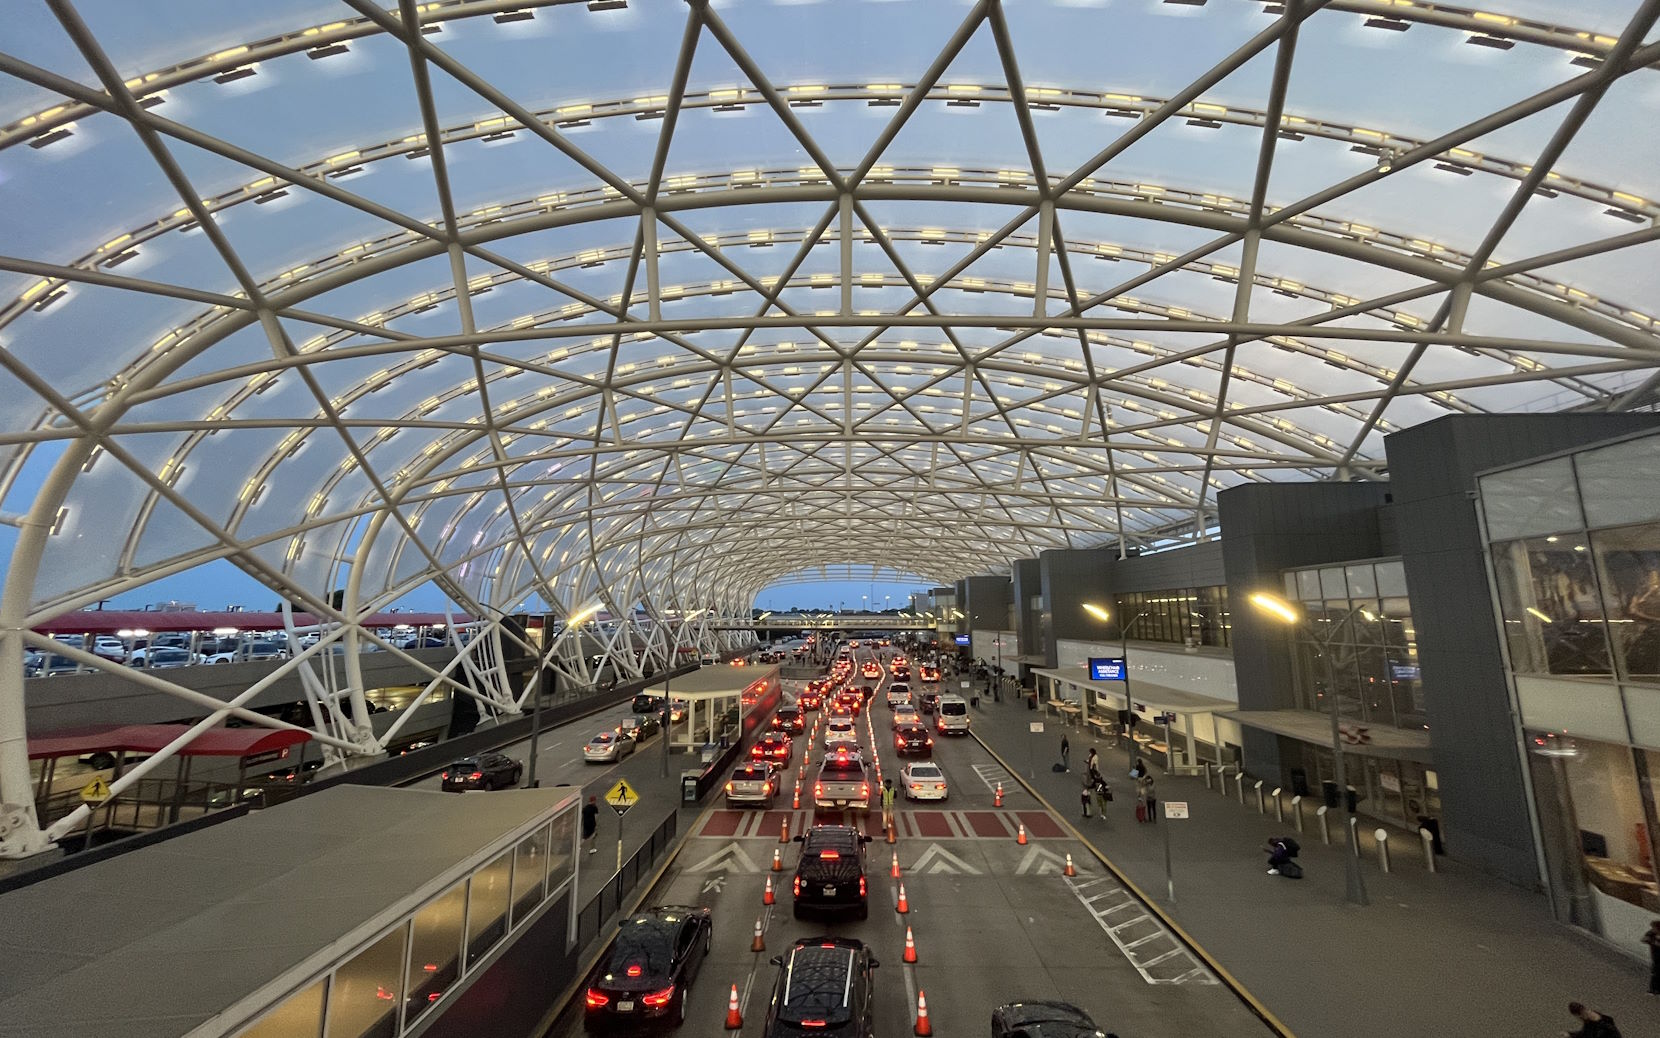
{"x":1175,"y":809}
{"x":1106,"y":668}
{"x":962,"y":639}
{"x":622,"y":797}
{"x":95,"y":792}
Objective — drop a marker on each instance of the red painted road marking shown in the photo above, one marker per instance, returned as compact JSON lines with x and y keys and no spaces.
{"x":1039,"y":824}
{"x":722,"y":823}
{"x":931,"y":823}
{"x":987,"y":823}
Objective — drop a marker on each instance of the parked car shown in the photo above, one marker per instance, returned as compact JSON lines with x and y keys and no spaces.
{"x":1043,"y":1019}
{"x":652,"y":962}
{"x":752,"y":783}
{"x":161,"y":658}
{"x":923,"y":780}
{"x":823,"y":987}
{"x":44,"y":665}
{"x":485,"y":771}
{"x":607,"y":748}
{"x":830,"y":873}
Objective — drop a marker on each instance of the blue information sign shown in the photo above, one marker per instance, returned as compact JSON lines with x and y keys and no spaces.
{"x":1106,"y":668}
{"x":961,"y":639}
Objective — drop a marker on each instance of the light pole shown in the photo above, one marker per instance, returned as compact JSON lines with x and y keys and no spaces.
{"x":1124,"y":654}
{"x":1355,"y":886}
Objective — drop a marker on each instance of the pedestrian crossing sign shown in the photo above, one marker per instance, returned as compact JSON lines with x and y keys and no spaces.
{"x":621,"y":797}
{"x":95,"y":792}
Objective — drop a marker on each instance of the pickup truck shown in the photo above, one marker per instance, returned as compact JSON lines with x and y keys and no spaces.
{"x":842,"y":781}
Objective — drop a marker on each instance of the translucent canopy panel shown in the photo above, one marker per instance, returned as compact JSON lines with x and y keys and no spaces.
{"x":664,"y":303}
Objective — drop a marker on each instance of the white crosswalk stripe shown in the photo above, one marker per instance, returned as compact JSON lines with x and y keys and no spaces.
{"x":1151,"y":948}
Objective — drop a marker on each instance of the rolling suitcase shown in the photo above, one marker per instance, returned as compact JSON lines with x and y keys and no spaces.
{"x":1291,"y":870}
{"x":1141,"y":812}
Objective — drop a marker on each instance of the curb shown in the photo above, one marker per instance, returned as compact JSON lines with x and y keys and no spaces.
{"x":1228,"y":979}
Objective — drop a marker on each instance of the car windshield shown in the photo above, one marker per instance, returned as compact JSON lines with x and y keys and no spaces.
{"x":469,"y":764}
{"x":953,"y":708}
{"x":843,"y":725}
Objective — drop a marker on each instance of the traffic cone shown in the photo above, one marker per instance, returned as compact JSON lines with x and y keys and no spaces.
{"x":795,"y":801}
{"x":760,"y":944}
{"x":778,"y":862}
{"x":784,"y":831}
{"x":910,"y":946}
{"x":999,"y":801}
{"x":904,"y":906}
{"x":890,"y":834}
{"x":767,"y":897}
{"x":923,"y":1027}
{"x":735,"y":1016}
{"x":1069,"y":870}
{"x":1021,"y":838}
{"x":895,"y":872}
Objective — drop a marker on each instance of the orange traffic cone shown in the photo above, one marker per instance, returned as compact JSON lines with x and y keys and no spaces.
{"x":760,"y":944}
{"x":795,"y":801}
{"x":895,"y":871}
{"x":784,"y":831}
{"x":890,"y":834}
{"x":904,"y":905}
{"x":923,"y":1027}
{"x":1021,"y":837}
{"x":767,"y":897}
{"x":999,"y":801}
{"x":1069,"y":870}
{"x":778,"y":862}
{"x":910,"y":946}
{"x":734,"y":1016}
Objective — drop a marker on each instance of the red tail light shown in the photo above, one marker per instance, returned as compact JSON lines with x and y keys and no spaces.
{"x":445,"y":775}
{"x":729,"y":787}
{"x":829,"y":855}
{"x":798,"y":886}
{"x":861,"y":886}
{"x":864,"y":790}
{"x":596,"y":999}
{"x":659,"y":998}
{"x":813,"y":1023}
{"x":633,"y":971}
{"x":818,"y":789}
{"x":475,"y":776}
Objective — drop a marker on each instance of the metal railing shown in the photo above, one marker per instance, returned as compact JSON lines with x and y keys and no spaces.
{"x":591,"y":920}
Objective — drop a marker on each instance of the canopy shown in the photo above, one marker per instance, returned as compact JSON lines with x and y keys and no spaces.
{"x":147,"y":739}
{"x":109,"y":621}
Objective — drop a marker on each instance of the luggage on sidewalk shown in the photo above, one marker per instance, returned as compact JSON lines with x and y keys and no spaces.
{"x":1141,"y":812}
{"x":1057,"y":767}
{"x":1291,"y":870}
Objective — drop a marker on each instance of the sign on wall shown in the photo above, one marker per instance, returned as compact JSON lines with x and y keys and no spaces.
{"x":1106,"y":668}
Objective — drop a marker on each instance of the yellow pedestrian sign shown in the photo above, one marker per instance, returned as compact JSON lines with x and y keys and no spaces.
{"x":95,"y":792}
{"x":622,"y":797}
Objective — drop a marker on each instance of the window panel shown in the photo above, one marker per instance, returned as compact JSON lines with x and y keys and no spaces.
{"x":487,"y":906}
{"x":1553,"y":616}
{"x":363,"y":1000}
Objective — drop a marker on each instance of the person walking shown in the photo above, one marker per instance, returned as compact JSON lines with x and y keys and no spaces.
{"x":887,"y":804}
{"x":1066,"y":753}
{"x":1592,"y":1024}
{"x":1084,"y":795}
{"x":1652,"y":939}
{"x":1147,"y":795}
{"x":590,"y":823}
{"x":1103,"y":792}
{"x":1092,"y":763}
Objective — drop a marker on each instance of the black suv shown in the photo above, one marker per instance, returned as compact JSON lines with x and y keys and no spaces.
{"x":645,"y":703}
{"x":824,"y":988}
{"x":830,"y":874}
{"x":486,"y":771}
{"x":1043,"y":1019}
{"x":652,"y":962}
{"x":927,"y":702}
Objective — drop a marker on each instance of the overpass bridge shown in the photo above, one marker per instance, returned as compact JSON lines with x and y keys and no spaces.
{"x":773,"y":622}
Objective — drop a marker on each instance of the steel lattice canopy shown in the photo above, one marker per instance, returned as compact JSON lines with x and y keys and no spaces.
{"x":547,"y":299}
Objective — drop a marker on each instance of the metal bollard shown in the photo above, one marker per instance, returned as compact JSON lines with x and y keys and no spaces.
{"x":1297,"y":812}
{"x":1382,"y":836}
{"x":1279,"y":805}
{"x":1325,"y":831}
{"x":1425,"y":838}
{"x":1207,"y":776}
{"x":1262,"y":805}
{"x":1239,"y":785}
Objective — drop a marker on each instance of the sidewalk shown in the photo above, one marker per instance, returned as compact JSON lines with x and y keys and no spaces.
{"x":1456,"y":952}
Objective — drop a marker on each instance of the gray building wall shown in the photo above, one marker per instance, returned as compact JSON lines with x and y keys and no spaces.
{"x":990,"y":601}
{"x":1070,"y":577}
{"x":1432,"y":472}
{"x":1028,"y":584}
{"x":1197,"y":565}
{"x":1268,"y":528}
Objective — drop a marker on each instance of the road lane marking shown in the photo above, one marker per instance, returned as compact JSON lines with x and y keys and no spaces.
{"x":1162,"y":945}
{"x":937,"y":861}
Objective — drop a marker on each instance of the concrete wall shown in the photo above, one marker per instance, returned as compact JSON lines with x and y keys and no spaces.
{"x":1432,"y":470}
{"x":1068,"y":577}
{"x":989,"y":602}
{"x":1204,"y":673}
{"x":1198,"y":565}
{"x":1028,"y":623}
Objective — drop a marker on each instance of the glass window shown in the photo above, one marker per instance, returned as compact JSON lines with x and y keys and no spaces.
{"x":1551,"y":608}
{"x":363,"y":1001}
{"x":1629,"y":562}
{"x":435,"y":951}
{"x":1531,"y":500}
{"x":1618,"y":483}
{"x":300,"y":1015}
{"x":561,"y":862}
{"x":1611,"y":822}
{"x":1308,"y":585}
{"x":1332,"y":584}
{"x":487,"y":906}
{"x":530,"y":866}
{"x":1363,"y":581}
{"x":1391,"y":579}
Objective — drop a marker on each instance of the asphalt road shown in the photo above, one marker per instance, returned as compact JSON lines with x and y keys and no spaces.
{"x":994,"y":921}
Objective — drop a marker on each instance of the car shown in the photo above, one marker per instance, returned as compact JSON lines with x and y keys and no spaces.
{"x":753,"y":783}
{"x":646,"y":703}
{"x":853,"y":699}
{"x":677,"y":710}
{"x":922,"y":780}
{"x":1043,"y":1019}
{"x":842,"y":780}
{"x":840,"y":730}
{"x":258,"y":650}
{"x":644,"y":977}
{"x":638,"y":728}
{"x":928,"y":702}
{"x":928,"y":673}
{"x":47,"y":665}
{"x":870,"y":671}
{"x":774,"y":746}
{"x":789,"y":719}
{"x":830,"y":872}
{"x":810,"y":700}
{"x":485,"y":771}
{"x":161,"y":658}
{"x":905,"y":713}
{"x":898,"y":692}
{"x":607,"y":748}
{"x":909,"y":739}
{"x":824,"y":987}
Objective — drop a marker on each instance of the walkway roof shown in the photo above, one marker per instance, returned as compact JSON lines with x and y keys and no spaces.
{"x":145,"y":739}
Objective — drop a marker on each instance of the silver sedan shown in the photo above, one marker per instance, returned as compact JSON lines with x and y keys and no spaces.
{"x":607,"y":748}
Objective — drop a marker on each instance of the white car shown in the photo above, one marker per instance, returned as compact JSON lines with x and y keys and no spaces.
{"x":905,"y":713}
{"x":922,"y":780}
{"x":899,"y":694}
{"x":840,"y":730}
{"x":607,"y":748}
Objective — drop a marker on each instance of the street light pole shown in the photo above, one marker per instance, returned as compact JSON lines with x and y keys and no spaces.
{"x":536,"y":726}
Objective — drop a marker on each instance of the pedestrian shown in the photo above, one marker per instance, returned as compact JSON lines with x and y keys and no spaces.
{"x":1592,"y":1023}
{"x":1147,"y":795}
{"x":1093,"y":763}
{"x":1066,"y":753}
{"x":1652,"y":939}
{"x":887,"y":804}
{"x":1084,"y":797}
{"x":1103,"y":792}
{"x":590,"y":823}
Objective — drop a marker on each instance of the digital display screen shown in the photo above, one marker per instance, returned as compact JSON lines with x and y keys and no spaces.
{"x":961,"y":639}
{"x":1106,"y":668}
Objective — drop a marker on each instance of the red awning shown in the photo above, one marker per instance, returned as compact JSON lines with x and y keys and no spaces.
{"x":109,"y":621}
{"x":150,"y":738}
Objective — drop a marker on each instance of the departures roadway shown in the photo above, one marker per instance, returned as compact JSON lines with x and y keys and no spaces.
{"x":994,"y":921}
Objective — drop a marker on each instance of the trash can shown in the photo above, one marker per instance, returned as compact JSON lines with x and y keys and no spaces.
{"x":1299,"y":782}
{"x":688,"y":786}
{"x":1328,"y":794}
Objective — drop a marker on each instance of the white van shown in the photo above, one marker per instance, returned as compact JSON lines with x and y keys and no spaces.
{"x":951,"y":716}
